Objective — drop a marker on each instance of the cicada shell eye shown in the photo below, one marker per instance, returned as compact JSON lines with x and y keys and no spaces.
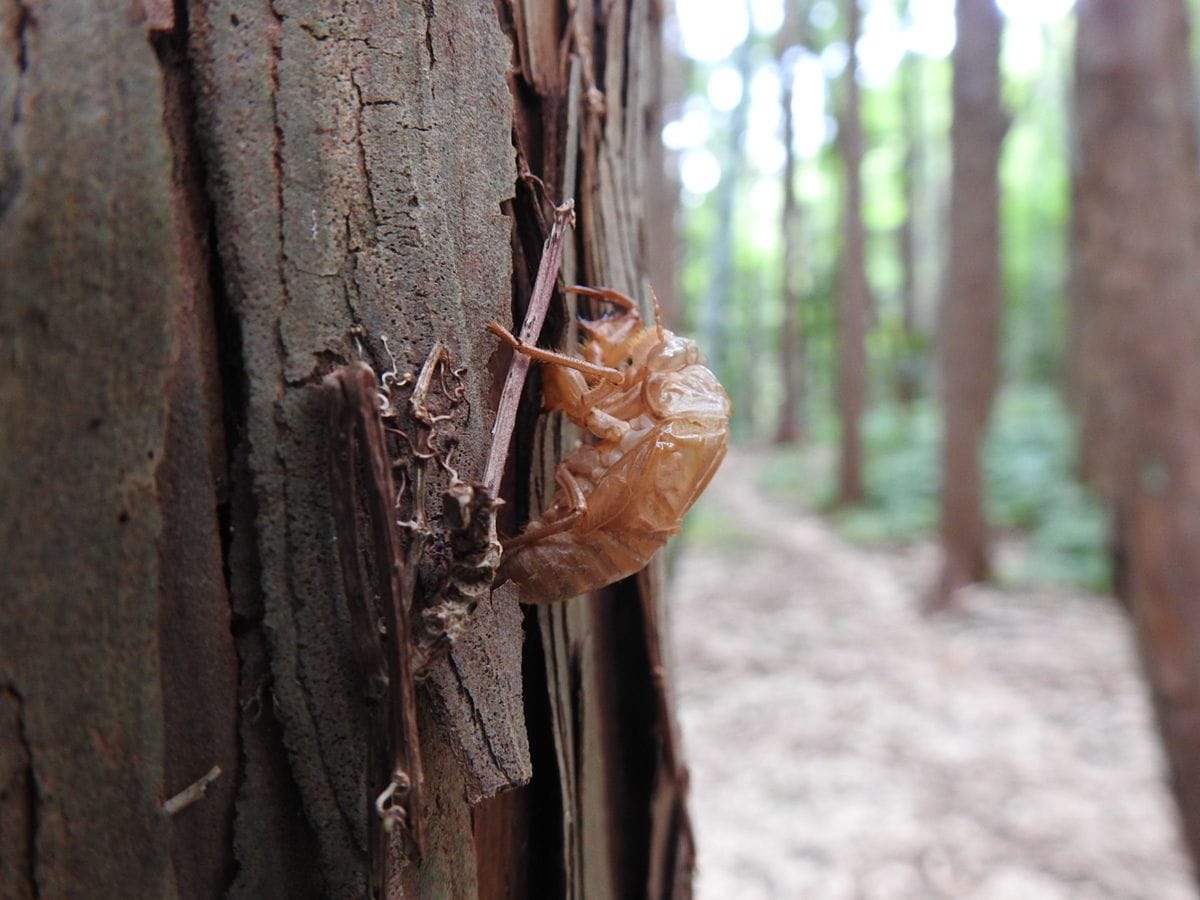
{"x":607,"y":341}
{"x":673,"y":354}
{"x":691,"y":394}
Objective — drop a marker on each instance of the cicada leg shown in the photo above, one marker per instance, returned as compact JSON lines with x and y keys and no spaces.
{"x":616,"y":298}
{"x":624,"y":301}
{"x":553,"y":357}
{"x":578,"y":508}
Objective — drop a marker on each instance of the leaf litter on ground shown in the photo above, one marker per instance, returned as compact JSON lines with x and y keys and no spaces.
{"x":841,"y":745}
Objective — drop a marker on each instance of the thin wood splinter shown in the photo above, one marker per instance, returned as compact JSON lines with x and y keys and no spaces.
{"x":192,"y":793}
{"x":535,"y":316}
{"x":363,"y":499}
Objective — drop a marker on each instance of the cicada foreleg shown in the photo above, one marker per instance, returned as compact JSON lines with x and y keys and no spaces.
{"x":576,"y":510}
{"x":555,"y":358}
{"x":573,"y":394}
{"x":623,"y":301}
{"x":616,"y":298}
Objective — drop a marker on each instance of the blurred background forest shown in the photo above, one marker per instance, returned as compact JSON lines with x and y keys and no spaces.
{"x":749,"y":75}
{"x":944,"y":256}
{"x":761,"y":91}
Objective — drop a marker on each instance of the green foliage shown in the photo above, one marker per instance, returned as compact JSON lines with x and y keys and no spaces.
{"x":1035,"y":198}
{"x":1029,"y":466}
{"x":1030,"y":490}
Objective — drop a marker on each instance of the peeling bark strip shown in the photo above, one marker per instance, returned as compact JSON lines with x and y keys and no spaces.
{"x":424,"y":587}
{"x":364,"y":511}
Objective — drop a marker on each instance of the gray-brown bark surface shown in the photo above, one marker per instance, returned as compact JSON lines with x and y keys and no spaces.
{"x":1136,"y":326}
{"x":356,"y":183}
{"x":204,"y":210}
{"x":88,"y":355}
{"x":970,"y":317}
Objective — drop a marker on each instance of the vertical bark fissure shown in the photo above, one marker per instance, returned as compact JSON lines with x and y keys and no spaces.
{"x":498,"y":757}
{"x":277,"y":153}
{"x":219,"y":354}
{"x":24,"y":21}
{"x":27,"y":794}
{"x":428,"y":7}
{"x":364,"y":170}
{"x":32,"y":798}
{"x":24,"y":18}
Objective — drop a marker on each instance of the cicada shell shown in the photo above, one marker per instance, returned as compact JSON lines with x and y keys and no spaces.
{"x":656,"y":425}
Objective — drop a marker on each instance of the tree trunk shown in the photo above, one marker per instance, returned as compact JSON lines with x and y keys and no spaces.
{"x":792,"y":423}
{"x":1136,"y":326}
{"x":908,"y":365}
{"x":718,"y":295}
{"x":854,"y":293}
{"x":205,"y":208}
{"x":971,"y":307}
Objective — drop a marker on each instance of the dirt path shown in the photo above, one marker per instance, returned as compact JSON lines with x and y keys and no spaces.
{"x":842,"y":746}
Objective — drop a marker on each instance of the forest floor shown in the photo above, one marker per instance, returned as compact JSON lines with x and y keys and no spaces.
{"x":841,"y":745}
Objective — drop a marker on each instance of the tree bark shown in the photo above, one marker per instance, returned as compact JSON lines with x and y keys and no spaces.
{"x":971,"y":308}
{"x":1135,"y":329}
{"x":205,"y":208}
{"x":854,"y":300}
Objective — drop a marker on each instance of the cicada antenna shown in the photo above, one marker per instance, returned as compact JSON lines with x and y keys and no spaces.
{"x":658,"y":317}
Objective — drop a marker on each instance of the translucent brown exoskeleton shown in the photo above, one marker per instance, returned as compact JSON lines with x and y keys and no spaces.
{"x":656,"y":424}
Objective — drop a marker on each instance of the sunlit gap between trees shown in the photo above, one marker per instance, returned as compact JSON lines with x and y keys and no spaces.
{"x":757,"y":101}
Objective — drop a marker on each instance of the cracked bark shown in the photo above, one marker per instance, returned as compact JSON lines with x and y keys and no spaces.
{"x":208,"y":208}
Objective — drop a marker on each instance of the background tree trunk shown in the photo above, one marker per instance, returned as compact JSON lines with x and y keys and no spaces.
{"x":1136,"y":326}
{"x":854,"y":299}
{"x":718,"y":295}
{"x":971,"y":309}
{"x":203,"y":211}
{"x":907,"y":374}
{"x":792,"y":420}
